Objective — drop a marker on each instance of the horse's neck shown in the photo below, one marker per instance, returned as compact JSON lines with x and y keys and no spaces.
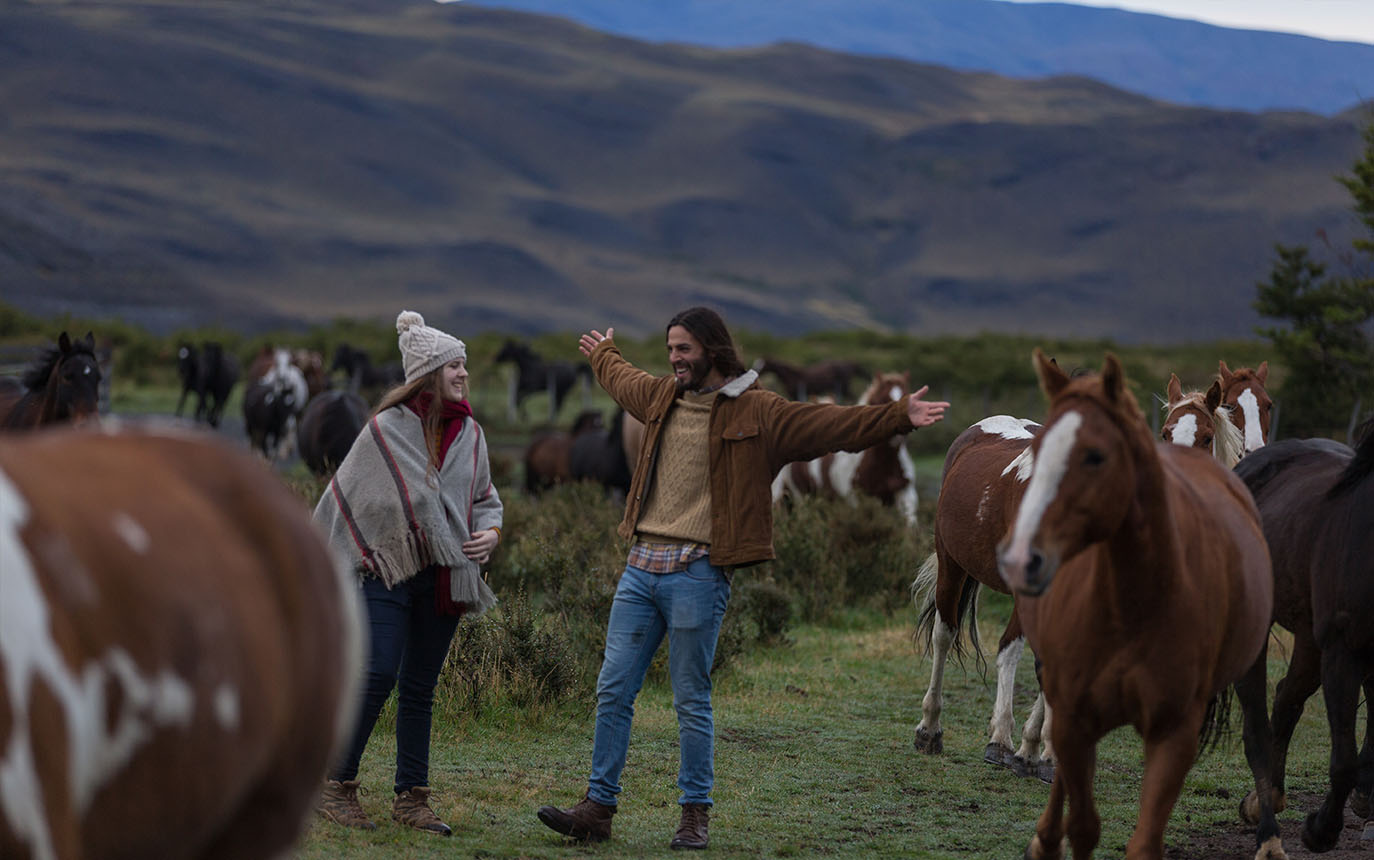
{"x":1142,"y":553}
{"x":49,"y":412}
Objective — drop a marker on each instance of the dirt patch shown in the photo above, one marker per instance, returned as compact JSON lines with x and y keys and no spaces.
{"x":1238,"y":841}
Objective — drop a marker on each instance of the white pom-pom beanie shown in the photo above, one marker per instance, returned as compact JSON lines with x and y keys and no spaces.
{"x":424,"y":348}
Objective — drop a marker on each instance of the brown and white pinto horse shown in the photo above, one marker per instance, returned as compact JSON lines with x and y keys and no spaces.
{"x":1244,"y":392}
{"x":1198,"y":420}
{"x":985,"y":475}
{"x":1144,"y":586}
{"x":884,"y":471}
{"x":1316,"y":501}
{"x":178,"y":650}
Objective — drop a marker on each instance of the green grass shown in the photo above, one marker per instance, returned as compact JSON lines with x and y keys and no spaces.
{"x":813,"y":758}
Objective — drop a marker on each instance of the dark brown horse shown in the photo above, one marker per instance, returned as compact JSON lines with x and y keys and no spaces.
{"x":829,"y":378}
{"x":534,"y":375}
{"x":327,"y":428}
{"x":1198,"y":420}
{"x":1145,"y":588}
{"x":548,"y":459}
{"x":62,"y":385}
{"x":210,"y":372}
{"x":1316,"y":499}
{"x":1243,"y":391}
{"x":180,"y":652}
{"x":984,"y":477}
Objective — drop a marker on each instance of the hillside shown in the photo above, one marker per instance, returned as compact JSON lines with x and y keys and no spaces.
{"x":255,"y":164}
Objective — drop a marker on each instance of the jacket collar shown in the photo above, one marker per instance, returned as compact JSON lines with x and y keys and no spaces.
{"x":738,"y":385}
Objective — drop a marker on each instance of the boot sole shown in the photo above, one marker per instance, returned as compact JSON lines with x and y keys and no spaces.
{"x":553,"y":819}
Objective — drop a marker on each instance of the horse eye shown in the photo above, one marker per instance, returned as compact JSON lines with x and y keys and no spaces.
{"x":1093,"y":457}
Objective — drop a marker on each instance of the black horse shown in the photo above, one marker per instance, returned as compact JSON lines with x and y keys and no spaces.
{"x":210,"y":373}
{"x":267,"y":408}
{"x":327,"y":428}
{"x":536,"y":375}
{"x":363,"y":376}
{"x":61,"y":385}
{"x":599,"y":455}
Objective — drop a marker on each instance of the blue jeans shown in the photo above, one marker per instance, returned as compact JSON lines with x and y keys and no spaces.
{"x":409,"y":643}
{"x":688,"y":606}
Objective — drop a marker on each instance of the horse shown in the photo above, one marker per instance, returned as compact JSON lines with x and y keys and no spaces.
{"x":329,"y":424}
{"x":311,"y":365}
{"x":548,"y":459}
{"x":1244,"y":392}
{"x":535,"y":375}
{"x":599,"y":455}
{"x":1316,"y":502}
{"x":268,"y":412}
{"x":884,"y":471}
{"x":211,"y":373}
{"x":1198,"y":420}
{"x":363,"y":376}
{"x":1144,"y":585}
{"x":830,"y":377}
{"x":61,"y":385}
{"x":984,"y":477}
{"x":181,"y":660}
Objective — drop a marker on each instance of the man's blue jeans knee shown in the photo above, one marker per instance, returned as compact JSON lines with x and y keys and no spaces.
{"x":688,"y":606}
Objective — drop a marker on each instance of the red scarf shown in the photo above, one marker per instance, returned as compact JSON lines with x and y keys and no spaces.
{"x":455,"y":411}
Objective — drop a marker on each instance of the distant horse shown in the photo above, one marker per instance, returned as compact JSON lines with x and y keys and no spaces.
{"x":831,"y":377}
{"x":1144,"y":585}
{"x":548,"y":459}
{"x":984,"y":477}
{"x":268,"y":413}
{"x":311,"y":365}
{"x":210,"y":373}
{"x":884,"y":471}
{"x":173,"y":627}
{"x":1244,"y":392}
{"x":363,"y":376}
{"x":329,"y":424}
{"x":61,"y":385}
{"x":534,"y":375}
{"x":1316,"y":500}
{"x":1198,"y":420}
{"x":599,"y":455}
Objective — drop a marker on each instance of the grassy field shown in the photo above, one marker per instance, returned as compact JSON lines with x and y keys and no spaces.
{"x":813,"y":758}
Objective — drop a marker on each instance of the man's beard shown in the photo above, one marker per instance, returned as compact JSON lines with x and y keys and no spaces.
{"x":698,"y":371}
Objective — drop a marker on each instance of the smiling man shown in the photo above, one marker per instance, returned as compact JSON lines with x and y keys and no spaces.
{"x":699,"y":507}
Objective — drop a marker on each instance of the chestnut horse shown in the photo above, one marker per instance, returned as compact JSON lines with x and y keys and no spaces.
{"x":1144,"y":586}
{"x":824,"y":378}
{"x":548,"y":459}
{"x":62,"y":385}
{"x":179,"y":649}
{"x":984,"y":477}
{"x":1244,"y":392}
{"x":884,"y":471}
{"x":1198,"y":420}
{"x":1316,"y":501}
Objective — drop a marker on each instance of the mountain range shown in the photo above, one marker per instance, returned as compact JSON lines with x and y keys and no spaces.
{"x":264,"y":165}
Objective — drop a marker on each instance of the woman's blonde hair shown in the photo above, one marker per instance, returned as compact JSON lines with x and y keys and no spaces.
{"x":433,"y":419}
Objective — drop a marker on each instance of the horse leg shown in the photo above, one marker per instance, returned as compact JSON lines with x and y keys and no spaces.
{"x":1364,"y":783}
{"x":1000,"y":727}
{"x":1167,"y":760}
{"x":1341,"y":677}
{"x":1291,"y":694}
{"x":949,"y":584}
{"x":1252,"y":691}
{"x":1073,"y":782}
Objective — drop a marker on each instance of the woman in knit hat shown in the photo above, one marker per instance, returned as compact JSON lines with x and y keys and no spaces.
{"x":413,"y":509}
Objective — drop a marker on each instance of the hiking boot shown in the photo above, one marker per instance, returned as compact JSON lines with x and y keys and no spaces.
{"x":588,"y":821}
{"x":339,"y":803}
{"x":411,"y":808}
{"x":691,"y":830}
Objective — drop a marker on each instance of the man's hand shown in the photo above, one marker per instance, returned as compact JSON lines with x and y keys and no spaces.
{"x":588,"y":341}
{"x":479,"y":546}
{"x":924,"y":413}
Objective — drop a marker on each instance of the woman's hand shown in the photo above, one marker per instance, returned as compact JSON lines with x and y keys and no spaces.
{"x":479,"y":546}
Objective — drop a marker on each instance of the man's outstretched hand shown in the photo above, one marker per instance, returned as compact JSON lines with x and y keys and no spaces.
{"x":588,"y":341}
{"x":922,"y":413}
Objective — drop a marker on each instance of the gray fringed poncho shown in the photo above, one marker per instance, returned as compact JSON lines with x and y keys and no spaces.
{"x":391,"y":519}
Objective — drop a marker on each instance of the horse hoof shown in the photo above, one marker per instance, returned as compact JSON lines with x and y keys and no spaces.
{"x":1000,"y":755}
{"x":928,"y":743}
{"x":1316,"y":841}
{"x":1359,"y":803}
{"x":1044,"y":770}
{"x":1368,"y":834}
{"x":1249,"y":808}
{"x":1271,"y":849}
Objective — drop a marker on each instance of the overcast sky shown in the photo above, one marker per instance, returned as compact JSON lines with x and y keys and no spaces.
{"x":1342,"y":20}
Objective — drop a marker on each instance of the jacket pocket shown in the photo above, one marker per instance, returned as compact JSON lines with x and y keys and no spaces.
{"x":741,"y":431}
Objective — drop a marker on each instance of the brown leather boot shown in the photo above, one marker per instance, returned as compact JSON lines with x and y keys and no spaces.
{"x":411,"y":808}
{"x":588,"y":821}
{"x":692,"y":829}
{"x":339,"y":803}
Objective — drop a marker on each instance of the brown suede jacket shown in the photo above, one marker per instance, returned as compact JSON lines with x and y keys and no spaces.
{"x":754,"y":433}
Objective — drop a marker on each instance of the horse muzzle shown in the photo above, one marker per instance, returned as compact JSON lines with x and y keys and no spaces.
{"x":1028,"y":570}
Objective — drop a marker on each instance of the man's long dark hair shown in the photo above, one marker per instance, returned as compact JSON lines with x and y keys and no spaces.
{"x":709,"y":329}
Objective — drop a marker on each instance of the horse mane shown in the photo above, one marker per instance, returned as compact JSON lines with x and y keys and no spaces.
{"x":36,"y":375}
{"x":1228,"y":442}
{"x":1359,"y":468}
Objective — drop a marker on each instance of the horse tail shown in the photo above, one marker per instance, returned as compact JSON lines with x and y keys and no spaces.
{"x":923,"y":595}
{"x":1216,"y":722}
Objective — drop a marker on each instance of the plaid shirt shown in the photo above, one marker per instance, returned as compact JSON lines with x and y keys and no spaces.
{"x":665,"y":556}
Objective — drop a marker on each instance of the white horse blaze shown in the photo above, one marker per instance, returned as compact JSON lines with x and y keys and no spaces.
{"x":1254,"y":433}
{"x":1185,"y":431}
{"x":1050,"y":467}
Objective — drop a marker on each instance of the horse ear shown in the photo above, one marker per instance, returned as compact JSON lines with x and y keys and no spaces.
{"x":89,"y":341}
{"x":1226,"y":372}
{"x":1113,"y":378}
{"x":1052,"y":379}
{"x":64,"y":343}
{"x":1213,"y":398}
{"x":1262,"y":372}
{"x":1175,"y":390}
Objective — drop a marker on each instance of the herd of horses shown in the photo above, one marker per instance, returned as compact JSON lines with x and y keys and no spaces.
{"x":1145,"y":574}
